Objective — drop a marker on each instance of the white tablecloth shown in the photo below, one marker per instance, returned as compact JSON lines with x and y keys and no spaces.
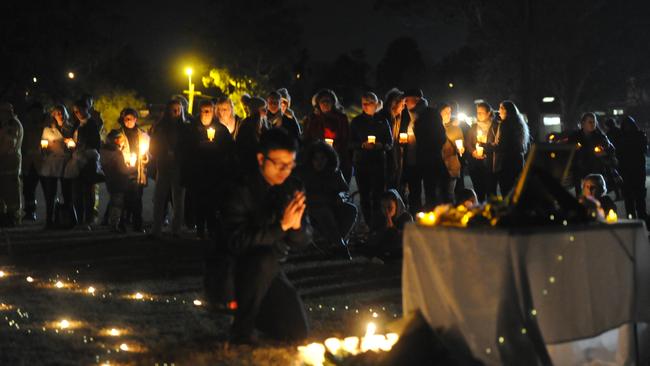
{"x":518,"y":296}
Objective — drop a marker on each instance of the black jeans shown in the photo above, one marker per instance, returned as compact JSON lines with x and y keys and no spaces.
{"x":415,"y":178}
{"x":84,"y":198}
{"x":204,"y":207}
{"x":30,"y":182}
{"x":483,"y":181}
{"x":265,"y":299}
{"x":371,"y":180}
{"x":50,"y":187}
{"x":133,"y":206}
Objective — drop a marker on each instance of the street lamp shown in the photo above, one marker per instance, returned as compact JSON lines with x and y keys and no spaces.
{"x":190,"y":90}
{"x":34,"y":79}
{"x":71,"y":75}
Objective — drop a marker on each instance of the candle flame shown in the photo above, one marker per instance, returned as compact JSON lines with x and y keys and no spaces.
{"x":611,"y":216}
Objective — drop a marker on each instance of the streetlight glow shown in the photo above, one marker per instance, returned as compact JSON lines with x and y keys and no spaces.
{"x":71,"y":75}
{"x":34,"y":79}
{"x":189,"y":71}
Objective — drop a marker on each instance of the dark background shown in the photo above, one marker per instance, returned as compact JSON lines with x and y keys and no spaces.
{"x":589,"y":55}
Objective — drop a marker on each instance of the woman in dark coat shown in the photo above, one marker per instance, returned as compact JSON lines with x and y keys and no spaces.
{"x":506,"y":151}
{"x":631,"y":151}
{"x":328,"y":122}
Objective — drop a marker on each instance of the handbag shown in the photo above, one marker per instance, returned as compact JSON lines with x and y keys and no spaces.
{"x":65,"y":216}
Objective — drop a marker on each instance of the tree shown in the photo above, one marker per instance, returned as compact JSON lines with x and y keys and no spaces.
{"x":402,"y":65}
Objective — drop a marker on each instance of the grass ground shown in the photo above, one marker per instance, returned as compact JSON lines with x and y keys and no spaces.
{"x":341,"y":297}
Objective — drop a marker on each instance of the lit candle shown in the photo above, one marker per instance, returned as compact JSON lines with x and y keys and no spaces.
{"x":133,"y":159}
{"x":611,"y":217}
{"x":426,"y":218}
{"x":598,"y":149}
{"x":211,"y":132}
{"x":144,"y":146}
{"x":330,"y":142}
{"x":479,"y":150}
{"x":371,"y":139}
{"x":333,"y":345}
{"x":44,"y":144}
{"x":351,"y":345}
{"x":71,"y":144}
{"x":403,"y":138}
{"x":312,"y":354}
{"x":459,"y":144}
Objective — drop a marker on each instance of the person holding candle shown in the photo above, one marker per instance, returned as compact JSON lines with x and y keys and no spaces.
{"x":210,"y":156}
{"x":594,"y":186}
{"x":285,"y":104}
{"x":225,"y":111}
{"x":483,"y":181}
{"x":393,"y":112}
{"x":117,"y":169}
{"x":595,"y":154}
{"x":328,"y":121}
{"x":11,"y":139}
{"x":370,"y":138}
{"x":452,"y":153}
{"x":55,"y":156}
{"x":278,"y":118}
{"x":263,"y":218}
{"x":136,"y":147}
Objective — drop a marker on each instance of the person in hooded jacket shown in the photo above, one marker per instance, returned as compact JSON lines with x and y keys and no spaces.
{"x":394,"y":112}
{"x":327,"y":206}
{"x":631,"y":152}
{"x":452,"y":154}
{"x":328,"y":122}
{"x":135,"y":150}
{"x":225,"y":114}
{"x":209,"y":163}
{"x":277,"y":118}
{"x":370,"y":139}
{"x":117,"y":171}
{"x":386,"y":240}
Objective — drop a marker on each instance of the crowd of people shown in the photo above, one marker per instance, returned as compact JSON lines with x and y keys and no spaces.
{"x":258,"y":185}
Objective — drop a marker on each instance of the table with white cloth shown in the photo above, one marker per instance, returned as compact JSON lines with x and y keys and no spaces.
{"x":561,"y":295}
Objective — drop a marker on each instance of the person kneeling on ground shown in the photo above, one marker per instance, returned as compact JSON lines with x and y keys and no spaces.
{"x":117,"y":177}
{"x":387,"y":239}
{"x":263,"y":218}
{"x":329,"y":211}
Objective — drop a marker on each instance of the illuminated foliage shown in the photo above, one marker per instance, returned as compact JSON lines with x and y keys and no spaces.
{"x":111,"y":103}
{"x":233,"y":87}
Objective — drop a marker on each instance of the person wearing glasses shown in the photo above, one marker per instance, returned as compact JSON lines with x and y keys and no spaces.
{"x":263,"y":218}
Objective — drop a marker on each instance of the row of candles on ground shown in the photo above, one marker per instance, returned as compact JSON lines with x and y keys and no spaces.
{"x":429,"y":218}
{"x":314,"y":354}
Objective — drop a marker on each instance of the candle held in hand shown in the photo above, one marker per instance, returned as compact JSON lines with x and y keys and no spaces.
{"x":133,"y":159}
{"x":144,"y":147}
{"x":44,"y":144}
{"x":479,"y":150}
{"x":330,"y":142}
{"x":459,"y":144}
{"x":372,"y":139}
{"x":403,"y":138}
{"x":71,"y":144}
{"x":211,"y":132}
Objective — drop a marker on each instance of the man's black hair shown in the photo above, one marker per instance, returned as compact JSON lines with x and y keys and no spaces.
{"x":277,"y":139}
{"x":206,"y":103}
